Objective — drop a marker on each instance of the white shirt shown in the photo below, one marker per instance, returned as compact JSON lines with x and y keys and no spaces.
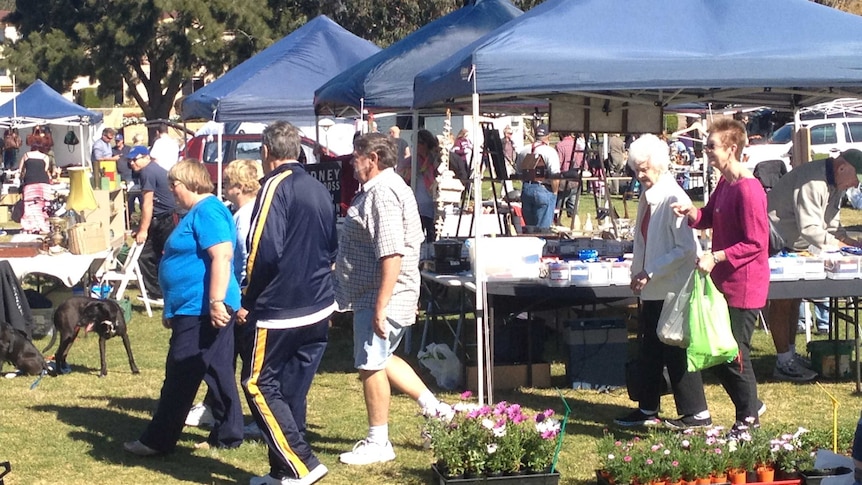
{"x":165,"y":152}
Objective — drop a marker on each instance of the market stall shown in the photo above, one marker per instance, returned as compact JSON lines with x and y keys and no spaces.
{"x":593,"y":80}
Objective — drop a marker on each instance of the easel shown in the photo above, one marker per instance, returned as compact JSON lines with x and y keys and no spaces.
{"x":492,"y":150}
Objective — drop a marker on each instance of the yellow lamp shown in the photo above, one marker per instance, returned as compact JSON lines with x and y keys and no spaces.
{"x":81,"y":195}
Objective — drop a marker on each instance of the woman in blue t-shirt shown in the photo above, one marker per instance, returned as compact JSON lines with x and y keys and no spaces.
{"x":200,"y":293}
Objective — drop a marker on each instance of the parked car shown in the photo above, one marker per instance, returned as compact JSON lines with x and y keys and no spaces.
{"x":322,"y":163}
{"x":829,"y":137}
{"x":238,"y":146}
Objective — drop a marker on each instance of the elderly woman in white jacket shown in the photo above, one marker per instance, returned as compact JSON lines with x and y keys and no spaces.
{"x":665,"y":251}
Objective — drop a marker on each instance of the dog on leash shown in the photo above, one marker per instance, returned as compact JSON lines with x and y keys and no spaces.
{"x":105,"y":317}
{"x":16,"y":349}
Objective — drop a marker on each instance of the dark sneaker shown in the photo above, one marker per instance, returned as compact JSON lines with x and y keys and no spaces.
{"x":761,"y":410}
{"x":803,"y":361}
{"x":638,"y":418}
{"x":793,"y":371}
{"x":688,"y":422}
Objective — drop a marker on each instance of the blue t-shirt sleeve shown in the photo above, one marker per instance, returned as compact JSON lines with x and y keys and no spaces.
{"x":214,"y":225}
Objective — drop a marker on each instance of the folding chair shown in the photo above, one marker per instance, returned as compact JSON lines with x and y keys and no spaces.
{"x":125,"y":273}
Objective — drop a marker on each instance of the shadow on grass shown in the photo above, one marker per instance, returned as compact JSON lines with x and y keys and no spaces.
{"x":103,"y":429}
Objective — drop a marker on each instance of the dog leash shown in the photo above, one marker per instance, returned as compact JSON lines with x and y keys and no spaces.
{"x":38,"y":380}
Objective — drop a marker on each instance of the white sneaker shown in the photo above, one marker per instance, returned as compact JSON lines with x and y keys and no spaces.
{"x":313,"y":476}
{"x":365,"y":453}
{"x":200,"y":415}
{"x":252,"y":431}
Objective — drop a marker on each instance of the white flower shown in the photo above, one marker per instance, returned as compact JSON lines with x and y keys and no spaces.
{"x":487,"y":423}
{"x":499,"y":432}
{"x":492,"y":448}
{"x":611,"y":456}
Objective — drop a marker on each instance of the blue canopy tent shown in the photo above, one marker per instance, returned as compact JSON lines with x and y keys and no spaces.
{"x":279,"y":82}
{"x":41,"y":105}
{"x":384,"y":81}
{"x":777,"y":53}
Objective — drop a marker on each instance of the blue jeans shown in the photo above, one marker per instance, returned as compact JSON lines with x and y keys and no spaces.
{"x":821,"y":314}
{"x":537,"y":205}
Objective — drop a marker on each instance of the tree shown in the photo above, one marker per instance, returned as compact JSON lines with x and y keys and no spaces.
{"x":154,"y":44}
{"x":382,"y":22}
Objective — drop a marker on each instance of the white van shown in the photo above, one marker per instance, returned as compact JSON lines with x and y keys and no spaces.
{"x":829,"y":137}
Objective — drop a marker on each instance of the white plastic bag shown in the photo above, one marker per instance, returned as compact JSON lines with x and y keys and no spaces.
{"x":443,"y":364}
{"x":672,"y":328}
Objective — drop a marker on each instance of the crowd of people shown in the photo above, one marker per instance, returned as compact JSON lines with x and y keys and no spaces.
{"x":261,"y":283}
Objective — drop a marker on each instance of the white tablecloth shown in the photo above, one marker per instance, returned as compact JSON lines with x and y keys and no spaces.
{"x":67,"y":267}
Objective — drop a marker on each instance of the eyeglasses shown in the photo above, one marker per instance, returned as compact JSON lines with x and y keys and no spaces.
{"x":712,"y":146}
{"x":174,"y":183}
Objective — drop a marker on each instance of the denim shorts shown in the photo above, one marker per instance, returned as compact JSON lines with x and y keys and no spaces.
{"x":371,"y":352}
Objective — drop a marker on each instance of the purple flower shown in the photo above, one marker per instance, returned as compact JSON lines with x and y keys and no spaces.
{"x":466,"y":395}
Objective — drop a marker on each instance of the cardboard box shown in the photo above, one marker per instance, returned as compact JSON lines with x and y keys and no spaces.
{"x":513,"y":376}
{"x":87,"y":238}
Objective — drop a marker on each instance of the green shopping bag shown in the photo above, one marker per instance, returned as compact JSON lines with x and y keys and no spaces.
{"x":711,"y":340}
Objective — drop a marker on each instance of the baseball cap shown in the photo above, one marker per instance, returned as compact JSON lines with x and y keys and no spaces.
{"x":138,"y":151}
{"x":118,"y":138}
{"x":854,"y":157}
{"x":541,"y":130}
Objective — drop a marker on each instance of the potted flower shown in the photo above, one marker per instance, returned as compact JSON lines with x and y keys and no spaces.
{"x":540,"y":441}
{"x":620,"y":459}
{"x":794,"y":454}
{"x":484,"y":442}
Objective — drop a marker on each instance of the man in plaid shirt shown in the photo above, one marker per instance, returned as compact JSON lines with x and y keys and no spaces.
{"x":377,"y":276}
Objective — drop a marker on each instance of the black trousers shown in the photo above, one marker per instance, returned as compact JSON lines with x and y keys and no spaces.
{"x":654,"y":356}
{"x":151,"y":255}
{"x":737,"y":376}
{"x":197,"y":352}
{"x":276,"y":379}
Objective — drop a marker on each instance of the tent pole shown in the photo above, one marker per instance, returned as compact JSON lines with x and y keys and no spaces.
{"x":220,"y":156}
{"x":484,"y":351}
{"x":81,"y":136}
{"x":414,"y":160}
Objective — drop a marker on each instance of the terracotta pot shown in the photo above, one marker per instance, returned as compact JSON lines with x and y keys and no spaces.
{"x":658,"y":482}
{"x":737,"y":476}
{"x":702,"y":481}
{"x":765,"y":474}
{"x":605,"y":477}
{"x":718,"y":478}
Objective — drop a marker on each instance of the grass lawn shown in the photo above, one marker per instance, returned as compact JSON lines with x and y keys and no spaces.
{"x":70,"y":429}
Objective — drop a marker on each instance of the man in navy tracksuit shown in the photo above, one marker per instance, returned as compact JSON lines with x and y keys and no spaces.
{"x":289,"y":298}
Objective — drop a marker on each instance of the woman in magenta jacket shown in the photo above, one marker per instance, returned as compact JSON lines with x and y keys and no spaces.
{"x":738,"y":263}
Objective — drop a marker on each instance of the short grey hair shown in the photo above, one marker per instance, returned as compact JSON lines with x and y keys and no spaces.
{"x":651,"y":150}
